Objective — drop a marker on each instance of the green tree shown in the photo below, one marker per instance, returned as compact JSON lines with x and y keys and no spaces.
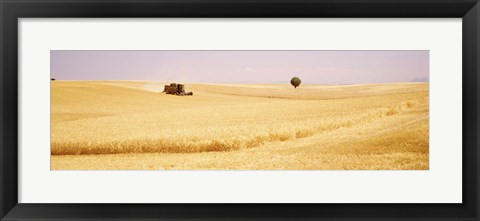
{"x":295,"y":81}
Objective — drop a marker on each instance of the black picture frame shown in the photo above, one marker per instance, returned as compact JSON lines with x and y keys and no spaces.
{"x":12,"y":10}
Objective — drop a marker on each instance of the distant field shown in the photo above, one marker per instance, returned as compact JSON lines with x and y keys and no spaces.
{"x":130,"y":125}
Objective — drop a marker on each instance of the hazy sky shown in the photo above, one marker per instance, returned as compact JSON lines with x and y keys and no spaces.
{"x":314,"y":67}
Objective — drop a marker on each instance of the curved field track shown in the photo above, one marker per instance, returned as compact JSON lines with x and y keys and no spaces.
{"x":131,"y":125}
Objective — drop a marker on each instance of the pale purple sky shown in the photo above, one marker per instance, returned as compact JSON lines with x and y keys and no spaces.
{"x":313,"y":67}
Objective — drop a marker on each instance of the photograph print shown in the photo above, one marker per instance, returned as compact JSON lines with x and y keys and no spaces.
{"x":239,"y":110}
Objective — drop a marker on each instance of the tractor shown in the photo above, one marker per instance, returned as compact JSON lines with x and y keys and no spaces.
{"x":176,"y":89}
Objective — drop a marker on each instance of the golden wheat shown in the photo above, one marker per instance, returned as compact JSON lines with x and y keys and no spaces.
{"x":382,"y":126}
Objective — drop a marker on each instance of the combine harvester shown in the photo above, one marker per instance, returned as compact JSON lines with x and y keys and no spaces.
{"x":176,"y":89}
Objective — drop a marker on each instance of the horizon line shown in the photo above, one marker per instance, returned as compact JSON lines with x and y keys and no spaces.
{"x":193,"y":82}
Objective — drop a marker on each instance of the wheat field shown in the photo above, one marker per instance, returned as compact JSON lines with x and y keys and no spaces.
{"x":131,"y":125}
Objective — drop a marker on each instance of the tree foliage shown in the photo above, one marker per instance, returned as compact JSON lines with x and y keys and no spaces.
{"x":295,"y":81}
